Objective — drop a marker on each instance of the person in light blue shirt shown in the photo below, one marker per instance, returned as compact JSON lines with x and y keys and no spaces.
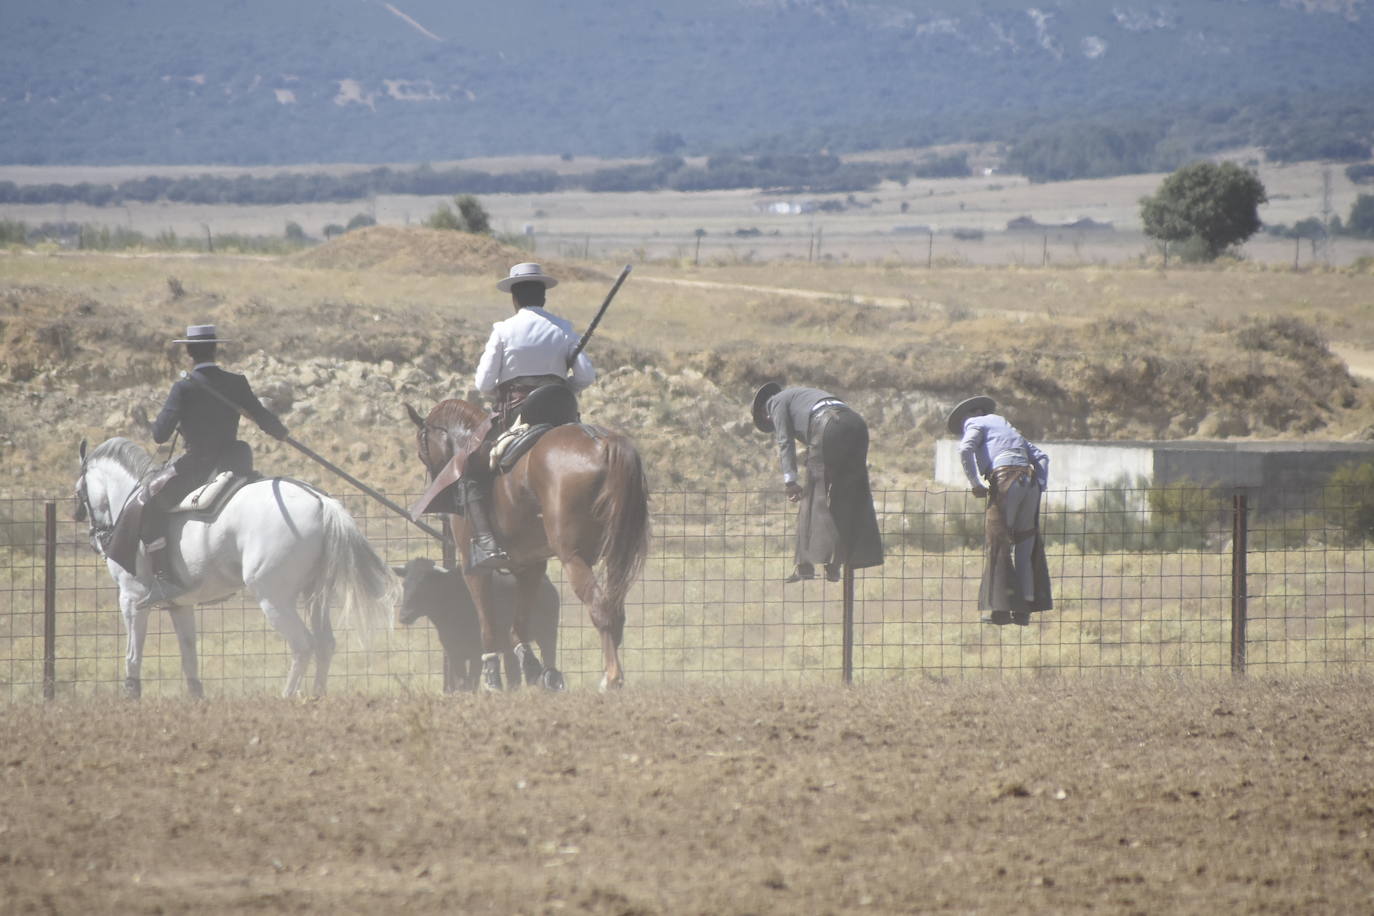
{"x":1006,"y":467}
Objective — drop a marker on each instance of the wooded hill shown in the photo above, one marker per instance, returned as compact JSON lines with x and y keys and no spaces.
{"x":255,"y":81}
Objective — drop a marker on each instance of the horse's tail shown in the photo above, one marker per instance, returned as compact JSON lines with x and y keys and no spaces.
{"x":622,"y":507}
{"x":352,"y":576}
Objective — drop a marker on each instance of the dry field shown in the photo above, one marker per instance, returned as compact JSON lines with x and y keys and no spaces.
{"x":887,"y":225}
{"x":343,"y":335}
{"x":1124,"y":795}
{"x":1016,"y":793}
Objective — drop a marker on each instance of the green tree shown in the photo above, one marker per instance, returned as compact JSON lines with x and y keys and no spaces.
{"x":443,"y":217}
{"x":1210,"y":205}
{"x":471,"y":216}
{"x":1361,"y":220}
{"x":475,"y":217}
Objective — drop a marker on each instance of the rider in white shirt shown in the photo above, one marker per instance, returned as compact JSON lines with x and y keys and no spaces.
{"x":526,"y":351}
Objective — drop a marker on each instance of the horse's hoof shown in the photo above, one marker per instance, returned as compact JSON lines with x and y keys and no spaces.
{"x":491,"y":673}
{"x":608,"y":685}
{"x":531,"y":669}
{"x":552,"y":680}
{"x":196,"y":689}
{"x":133,"y":688}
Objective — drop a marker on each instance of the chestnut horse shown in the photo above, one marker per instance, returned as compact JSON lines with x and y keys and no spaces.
{"x":579,"y":495}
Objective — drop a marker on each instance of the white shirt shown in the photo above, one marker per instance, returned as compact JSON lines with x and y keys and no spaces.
{"x":531,"y":342}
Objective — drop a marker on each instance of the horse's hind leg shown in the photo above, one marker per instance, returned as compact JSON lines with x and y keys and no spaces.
{"x":184,"y":622}
{"x":283,"y":617}
{"x":323,"y":631}
{"x":609,"y":621}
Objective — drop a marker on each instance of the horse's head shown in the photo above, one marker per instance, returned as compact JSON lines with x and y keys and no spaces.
{"x":108,"y":475}
{"x":450,"y":422}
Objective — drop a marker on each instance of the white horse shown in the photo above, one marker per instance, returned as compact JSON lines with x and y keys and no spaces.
{"x":277,"y":537}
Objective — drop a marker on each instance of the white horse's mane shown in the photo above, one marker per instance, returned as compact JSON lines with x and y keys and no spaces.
{"x":128,"y":454}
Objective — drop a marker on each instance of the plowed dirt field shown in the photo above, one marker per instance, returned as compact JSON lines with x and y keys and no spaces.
{"x":1116,"y":795}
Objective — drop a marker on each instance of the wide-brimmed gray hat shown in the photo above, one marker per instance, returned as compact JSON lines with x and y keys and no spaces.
{"x":529,"y":272}
{"x":760,"y":409}
{"x":974,"y":406}
{"x":201,"y":333}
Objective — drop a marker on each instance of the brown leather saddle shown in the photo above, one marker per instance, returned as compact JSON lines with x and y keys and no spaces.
{"x":541,"y":410}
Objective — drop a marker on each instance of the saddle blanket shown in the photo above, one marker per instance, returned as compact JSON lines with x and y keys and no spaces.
{"x":210,"y":498}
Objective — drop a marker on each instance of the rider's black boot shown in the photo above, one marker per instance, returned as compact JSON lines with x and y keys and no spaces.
{"x":484,"y":552}
{"x":163,"y":588}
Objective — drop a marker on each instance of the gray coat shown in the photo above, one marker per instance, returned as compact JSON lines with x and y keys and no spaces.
{"x":836,"y":522}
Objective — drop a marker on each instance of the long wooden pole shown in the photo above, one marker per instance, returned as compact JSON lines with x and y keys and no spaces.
{"x":318,"y":459}
{"x":597,"y":320}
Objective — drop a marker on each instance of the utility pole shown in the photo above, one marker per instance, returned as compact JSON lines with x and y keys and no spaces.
{"x":1326,"y":215}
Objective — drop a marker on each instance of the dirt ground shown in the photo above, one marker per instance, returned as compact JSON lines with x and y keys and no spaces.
{"x":1116,"y":795}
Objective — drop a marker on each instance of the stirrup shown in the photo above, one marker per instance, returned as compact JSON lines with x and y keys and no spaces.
{"x":161,"y":593}
{"x":486,"y":554}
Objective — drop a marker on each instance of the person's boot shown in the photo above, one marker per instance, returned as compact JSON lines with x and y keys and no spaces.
{"x":483,"y":552}
{"x":163,"y":587}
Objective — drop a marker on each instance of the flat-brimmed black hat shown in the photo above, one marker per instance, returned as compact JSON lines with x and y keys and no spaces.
{"x":974,"y":406}
{"x":762,"y":421}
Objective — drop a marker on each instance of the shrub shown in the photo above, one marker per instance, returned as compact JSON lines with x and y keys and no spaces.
{"x":1186,"y":513}
{"x":470,"y":216}
{"x":13,"y":232}
{"x":1348,"y":501}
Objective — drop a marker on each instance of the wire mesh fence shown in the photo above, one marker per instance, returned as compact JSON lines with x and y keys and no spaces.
{"x":1143,"y":579}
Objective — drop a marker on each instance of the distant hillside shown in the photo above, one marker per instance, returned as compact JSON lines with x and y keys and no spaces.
{"x":259,"y":81}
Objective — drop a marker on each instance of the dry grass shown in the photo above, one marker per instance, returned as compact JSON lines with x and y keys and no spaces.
{"x":1090,"y":352}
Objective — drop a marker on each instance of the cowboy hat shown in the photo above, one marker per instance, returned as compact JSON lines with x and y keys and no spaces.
{"x":201,"y":333}
{"x":528,"y":272}
{"x":974,"y":406}
{"x":760,"y":410}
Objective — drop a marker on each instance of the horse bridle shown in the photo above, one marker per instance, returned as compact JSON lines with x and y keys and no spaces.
{"x":99,"y":534}
{"x":424,"y":446}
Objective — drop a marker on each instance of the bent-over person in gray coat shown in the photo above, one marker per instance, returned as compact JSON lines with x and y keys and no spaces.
{"x":836,"y":523}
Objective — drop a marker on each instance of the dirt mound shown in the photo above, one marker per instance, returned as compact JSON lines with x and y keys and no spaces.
{"x":417,"y":250}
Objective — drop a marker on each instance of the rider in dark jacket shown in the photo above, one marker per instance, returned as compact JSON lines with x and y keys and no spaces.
{"x":210,"y":428}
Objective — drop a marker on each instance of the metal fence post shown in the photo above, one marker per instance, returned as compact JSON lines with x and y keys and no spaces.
{"x":847,"y":664}
{"x":49,"y":600}
{"x":1238,"y":589}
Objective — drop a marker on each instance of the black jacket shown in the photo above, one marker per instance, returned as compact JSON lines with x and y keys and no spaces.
{"x":208,"y":425}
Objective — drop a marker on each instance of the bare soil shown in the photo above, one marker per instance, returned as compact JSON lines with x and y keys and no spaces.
{"x":1119,"y":795}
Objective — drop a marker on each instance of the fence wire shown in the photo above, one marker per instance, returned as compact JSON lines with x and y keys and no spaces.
{"x":1143,"y":579}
